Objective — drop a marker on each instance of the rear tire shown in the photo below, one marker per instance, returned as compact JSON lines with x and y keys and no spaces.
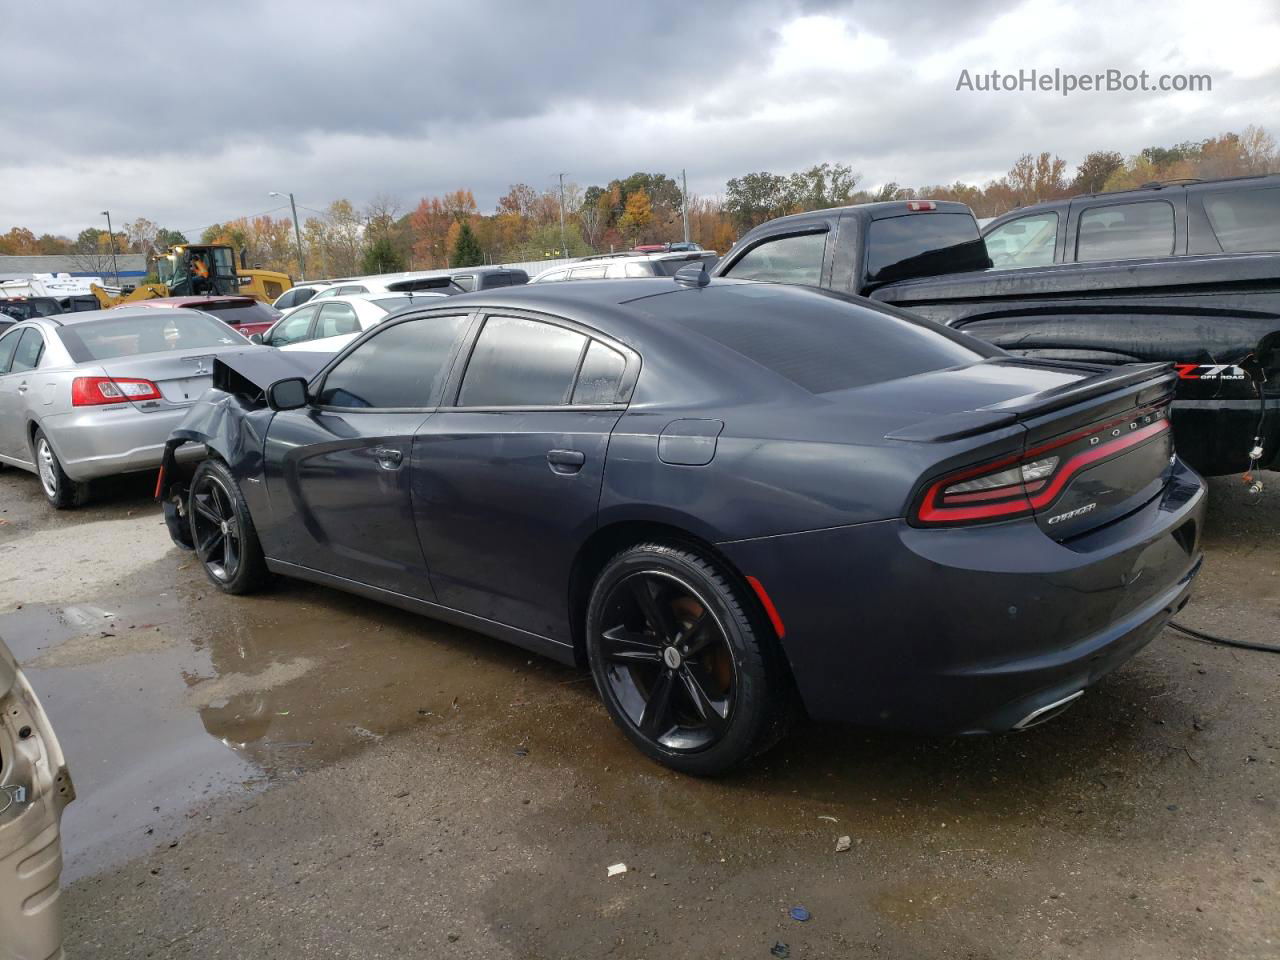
{"x":222,"y":531}
{"x":60,"y":490}
{"x":683,"y":661}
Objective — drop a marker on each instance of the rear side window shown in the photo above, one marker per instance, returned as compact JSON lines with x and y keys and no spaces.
{"x":8,"y":344}
{"x":521,"y":363}
{"x":639,"y":270}
{"x":600,"y":380}
{"x":796,"y":259}
{"x":155,"y":331}
{"x":1245,"y":220}
{"x":401,"y":366}
{"x":1026,"y":242}
{"x":30,"y":350}
{"x":818,"y":341}
{"x":550,"y":277}
{"x":337,"y":319}
{"x":343,"y":291}
{"x":467,"y":283}
{"x":1124,"y":231}
{"x":923,"y":245}
{"x":587,"y":273}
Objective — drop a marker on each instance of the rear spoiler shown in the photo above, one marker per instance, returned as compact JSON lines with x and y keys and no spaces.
{"x":420,"y":283}
{"x":1156,"y":379}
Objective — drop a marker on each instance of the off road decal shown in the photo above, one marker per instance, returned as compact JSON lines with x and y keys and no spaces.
{"x":1209,"y":371}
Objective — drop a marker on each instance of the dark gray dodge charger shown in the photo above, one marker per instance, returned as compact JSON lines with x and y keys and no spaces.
{"x":729,"y":499}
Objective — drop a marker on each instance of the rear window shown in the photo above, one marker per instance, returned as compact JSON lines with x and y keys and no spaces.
{"x":1245,"y":220}
{"x":157,"y":331}
{"x":1125,"y":231}
{"x":235,"y":312}
{"x":923,"y":245}
{"x":816,"y":340}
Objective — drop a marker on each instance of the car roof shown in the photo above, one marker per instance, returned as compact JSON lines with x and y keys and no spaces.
{"x":114,"y":313}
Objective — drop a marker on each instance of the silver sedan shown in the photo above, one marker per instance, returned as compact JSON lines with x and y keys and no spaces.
{"x":86,"y":395}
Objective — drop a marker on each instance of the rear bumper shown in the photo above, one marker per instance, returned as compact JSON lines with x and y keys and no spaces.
{"x":105,"y":441}
{"x":972,"y":629}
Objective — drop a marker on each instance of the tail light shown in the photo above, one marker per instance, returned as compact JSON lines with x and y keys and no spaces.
{"x":96,"y":391}
{"x":1019,"y":485}
{"x":917,"y":206}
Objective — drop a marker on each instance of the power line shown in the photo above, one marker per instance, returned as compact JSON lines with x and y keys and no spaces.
{"x":199,"y":230}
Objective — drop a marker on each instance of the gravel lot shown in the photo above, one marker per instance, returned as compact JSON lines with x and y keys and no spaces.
{"x":306,"y":774}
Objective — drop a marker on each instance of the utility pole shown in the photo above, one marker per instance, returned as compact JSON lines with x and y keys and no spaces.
{"x":111,"y":239}
{"x":564,"y":249}
{"x":684,"y":203}
{"x":297,"y":235}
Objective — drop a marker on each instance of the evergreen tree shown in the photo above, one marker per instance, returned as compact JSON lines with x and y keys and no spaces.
{"x":466,"y":251}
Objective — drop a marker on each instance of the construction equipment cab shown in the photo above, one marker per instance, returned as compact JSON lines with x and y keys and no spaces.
{"x":195,"y":269}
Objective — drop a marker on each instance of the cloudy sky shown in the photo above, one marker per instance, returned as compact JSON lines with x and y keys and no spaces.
{"x":189,"y":120}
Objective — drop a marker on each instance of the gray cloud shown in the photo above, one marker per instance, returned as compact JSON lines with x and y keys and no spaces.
{"x":192,"y":119}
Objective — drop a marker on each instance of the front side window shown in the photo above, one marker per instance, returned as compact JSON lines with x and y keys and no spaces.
{"x":30,"y":350}
{"x":587,"y":273}
{"x":402,"y":366}
{"x":467,"y":283}
{"x":795,"y":259}
{"x":354,"y":288}
{"x":1025,"y":242}
{"x":639,"y":270}
{"x":558,"y":275}
{"x":293,"y":328}
{"x":1125,"y":231}
{"x":521,"y":363}
{"x":1245,"y":220}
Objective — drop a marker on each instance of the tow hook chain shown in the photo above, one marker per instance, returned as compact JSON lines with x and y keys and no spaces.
{"x":1258,"y":375}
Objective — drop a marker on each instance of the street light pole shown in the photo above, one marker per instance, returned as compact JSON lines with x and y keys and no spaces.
{"x":297,"y":235}
{"x":111,"y":239}
{"x":564,"y":249}
{"x":684,"y":203}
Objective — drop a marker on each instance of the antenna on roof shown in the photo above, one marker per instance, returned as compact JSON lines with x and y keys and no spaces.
{"x":694,"y":275}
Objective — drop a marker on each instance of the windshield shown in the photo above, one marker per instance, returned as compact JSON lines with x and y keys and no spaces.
{"x":924,"y":245}
{"x":167,"y":269}
{"x":158,"y":331}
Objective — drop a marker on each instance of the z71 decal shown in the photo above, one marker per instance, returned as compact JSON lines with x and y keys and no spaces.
{"x":1209,"y":371}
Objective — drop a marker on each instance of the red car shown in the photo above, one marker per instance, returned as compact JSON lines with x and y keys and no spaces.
{"x":245,"y":314}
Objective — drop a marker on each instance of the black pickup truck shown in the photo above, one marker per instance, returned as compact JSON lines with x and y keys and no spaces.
{"x":1216,"y":316}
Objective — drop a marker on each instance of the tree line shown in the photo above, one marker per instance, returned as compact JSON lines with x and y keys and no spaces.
{"x":532,"y":224}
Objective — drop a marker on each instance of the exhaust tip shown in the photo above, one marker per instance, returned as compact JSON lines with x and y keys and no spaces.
{"x":1047,"y":712}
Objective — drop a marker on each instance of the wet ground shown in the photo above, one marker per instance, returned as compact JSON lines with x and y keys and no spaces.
{"x":305,"y":773}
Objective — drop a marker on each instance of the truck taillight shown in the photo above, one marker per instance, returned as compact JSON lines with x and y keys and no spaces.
{"x":1021,"y":484}
{"x":917,"y":205}
{"x":96,"y":391}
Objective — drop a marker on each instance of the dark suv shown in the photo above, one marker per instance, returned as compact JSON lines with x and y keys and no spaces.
{"x":1176,"y":218}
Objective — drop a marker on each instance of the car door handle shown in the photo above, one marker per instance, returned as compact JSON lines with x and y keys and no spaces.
{"x":22,"y":387}
{"x":389,"y":458}
{"x":566,"y":461}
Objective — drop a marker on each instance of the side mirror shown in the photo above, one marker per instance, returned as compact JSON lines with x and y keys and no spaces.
{"x":288,"y":394}
{"x":255,"y":338}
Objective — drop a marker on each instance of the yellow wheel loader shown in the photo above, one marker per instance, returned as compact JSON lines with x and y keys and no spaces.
{"x":192,"y":269}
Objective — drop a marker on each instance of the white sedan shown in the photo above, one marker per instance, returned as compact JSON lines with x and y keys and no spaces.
{"x":330,"y":324}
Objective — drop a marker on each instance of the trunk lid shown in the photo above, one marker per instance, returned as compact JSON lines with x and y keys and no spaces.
{"x":1091,"y":448}
{"x":182,"y":376}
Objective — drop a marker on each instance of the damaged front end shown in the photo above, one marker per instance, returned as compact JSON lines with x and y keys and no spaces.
{"x":34,"y":789}
{"x":230,"y":423}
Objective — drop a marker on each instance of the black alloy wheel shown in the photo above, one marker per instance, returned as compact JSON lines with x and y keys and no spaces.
{"x":680,"y":661}
{"x":222,"y":531}
{"x":669,"y":663}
